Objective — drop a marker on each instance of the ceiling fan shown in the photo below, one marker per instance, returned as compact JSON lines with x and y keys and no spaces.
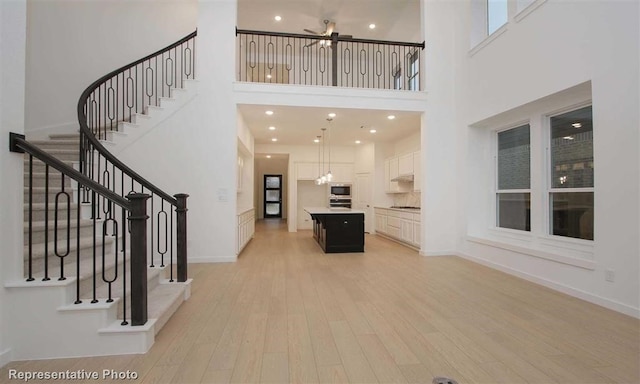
{"x":329,"y":26}
{"x":328,"y":29}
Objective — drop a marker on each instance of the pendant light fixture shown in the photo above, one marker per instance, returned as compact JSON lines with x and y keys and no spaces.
{"x":318,"y":181}
{"x":329,"y":175}
{"x":323,"y":178}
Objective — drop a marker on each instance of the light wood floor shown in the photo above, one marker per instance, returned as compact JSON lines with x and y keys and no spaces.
{"x":286,"y":312}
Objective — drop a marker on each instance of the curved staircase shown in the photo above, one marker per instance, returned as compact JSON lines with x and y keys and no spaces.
{"x":104,"y":249}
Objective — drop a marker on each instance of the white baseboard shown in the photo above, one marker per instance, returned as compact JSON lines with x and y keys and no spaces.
{"x":212,"y":259}
{"x":438,"y":253}
{"x":594,"y":299}
{"x":5,"y":357}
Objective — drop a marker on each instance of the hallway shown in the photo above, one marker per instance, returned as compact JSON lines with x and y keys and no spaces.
{"x":286,"y":312}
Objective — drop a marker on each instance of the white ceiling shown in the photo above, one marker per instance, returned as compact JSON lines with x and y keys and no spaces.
{"x":300,"y":125}
{"x":397,"y":20}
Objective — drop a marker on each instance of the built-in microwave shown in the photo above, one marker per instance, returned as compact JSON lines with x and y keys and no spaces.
{"x":337,"y":191}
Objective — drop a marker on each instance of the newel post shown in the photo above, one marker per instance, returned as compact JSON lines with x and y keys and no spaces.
{"x":138,"y":226}
{"x":181,"y":234}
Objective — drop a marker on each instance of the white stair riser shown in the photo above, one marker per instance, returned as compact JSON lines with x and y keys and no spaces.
{"x":38,"y":232}
{"x":38,"y":211}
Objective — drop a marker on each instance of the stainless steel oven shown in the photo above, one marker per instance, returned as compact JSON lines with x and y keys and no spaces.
{"x":340,"y":203}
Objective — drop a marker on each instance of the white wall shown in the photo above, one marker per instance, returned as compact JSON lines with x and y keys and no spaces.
{"x":72,"y":43}
{"x":557,"y":47}
{"x":195,"y":150}
{"x":437,"y":135}
{"x":245,"y":195}
{"x":12,"y":78}
{"x":408,"y":144}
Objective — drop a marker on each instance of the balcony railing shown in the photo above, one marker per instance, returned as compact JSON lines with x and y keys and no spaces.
{"x":343,"y":61}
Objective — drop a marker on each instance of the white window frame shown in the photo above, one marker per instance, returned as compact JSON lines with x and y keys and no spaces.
{"x":548,"y":189}
{"x":496,"y":190}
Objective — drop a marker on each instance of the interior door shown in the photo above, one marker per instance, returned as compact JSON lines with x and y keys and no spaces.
{"x":362,"y":199}
{"x":272,"y":196}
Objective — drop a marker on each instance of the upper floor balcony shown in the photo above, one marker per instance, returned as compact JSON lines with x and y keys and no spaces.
{"x":328,"y":60}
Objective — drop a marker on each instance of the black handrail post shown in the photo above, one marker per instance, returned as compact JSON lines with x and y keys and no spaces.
{"x":138,"y":226}
{"x":334,"y":59}
{"x":181,"y":234}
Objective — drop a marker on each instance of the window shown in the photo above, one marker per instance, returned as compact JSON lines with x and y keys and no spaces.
{"x":513,"y":193}
{"x":413,"y":83}
{"x":571,"y":189}
{"x":496,"y":15}
{"x":397,"y":79}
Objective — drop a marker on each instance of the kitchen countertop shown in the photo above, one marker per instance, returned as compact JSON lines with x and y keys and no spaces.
{"x":401,"y":209}
{"x":331,"y":211}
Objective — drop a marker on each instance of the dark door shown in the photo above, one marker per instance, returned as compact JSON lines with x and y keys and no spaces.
{"x":272,"y":196}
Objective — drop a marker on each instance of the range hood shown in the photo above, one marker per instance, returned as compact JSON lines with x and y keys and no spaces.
{"x":405,"y":178}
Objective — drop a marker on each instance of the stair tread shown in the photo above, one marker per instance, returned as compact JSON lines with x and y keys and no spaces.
{"x":41,"y":224}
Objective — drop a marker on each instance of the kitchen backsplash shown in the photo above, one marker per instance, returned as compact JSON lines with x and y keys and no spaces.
{"x":409,"y":199}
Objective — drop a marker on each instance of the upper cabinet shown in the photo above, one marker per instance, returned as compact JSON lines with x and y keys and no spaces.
{"x":342,"y":172}
{"x":392,"y":171}
{"x":405,"y":164}
{"x":307,"y":171}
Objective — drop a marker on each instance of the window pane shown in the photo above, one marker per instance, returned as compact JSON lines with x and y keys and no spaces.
{"x":273,"y":182}
{"x":273,"y":195}
{"x":572,"y":214}
{"x":514,"y":211}
{"x":514,"y":158}
{"x":496,"y":14}
{"x":572,"y":149}
{"x":272,"y":208}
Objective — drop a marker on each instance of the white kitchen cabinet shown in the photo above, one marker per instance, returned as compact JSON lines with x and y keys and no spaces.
{"x":400,"y":225}
{"x":307,"y":171}
{"x":405,"y":164}
{"x":393,"y":168}
{"x":381,"y":222}
{"x":416,"y":234}
{"x":417,"y":177}
{"x":342,"y":173}
{"x":246,"y":228}
{"x":407,"y":231}
{"x":390,"y":172}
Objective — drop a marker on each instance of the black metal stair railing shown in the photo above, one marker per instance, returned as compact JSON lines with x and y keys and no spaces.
{"x":105,"y":258}
{"x":116,"y":98}
{"x":335,"y":60}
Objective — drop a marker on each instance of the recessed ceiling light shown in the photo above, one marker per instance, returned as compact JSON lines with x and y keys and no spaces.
{"x":391,"y":117}
{"x":272,"y":128}
{"x":278,"y":18}
{"x":274,"y":139}
{"x":372,"y":26}
{"x":372,"y":131}
{"x":268,"y":156}
{"x":316,"y":140}
{"x":576,"y":125}
{"x":357,"y":141}
{"x":332,"y":114}
{"x":269,"y":113}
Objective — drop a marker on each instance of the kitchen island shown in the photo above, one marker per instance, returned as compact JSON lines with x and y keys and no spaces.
{"x":338,"y":229}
